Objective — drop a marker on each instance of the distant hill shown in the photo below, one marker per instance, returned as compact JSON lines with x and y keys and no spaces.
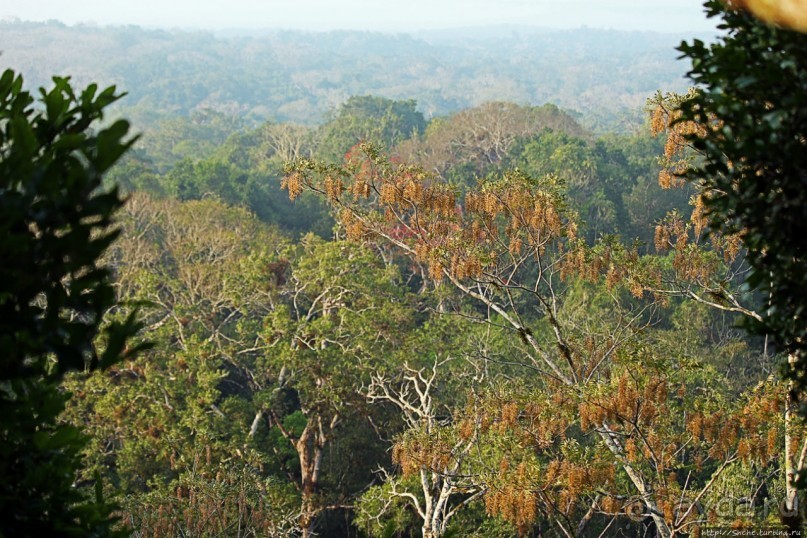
{"x":300,"y":76}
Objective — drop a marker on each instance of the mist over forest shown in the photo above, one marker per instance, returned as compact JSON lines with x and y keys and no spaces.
{"x":605,"y":76}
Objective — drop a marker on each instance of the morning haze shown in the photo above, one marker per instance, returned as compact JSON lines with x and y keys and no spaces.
{"x":655,"y":15}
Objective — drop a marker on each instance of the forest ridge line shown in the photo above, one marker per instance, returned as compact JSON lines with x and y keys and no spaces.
{"x":297,"y":76}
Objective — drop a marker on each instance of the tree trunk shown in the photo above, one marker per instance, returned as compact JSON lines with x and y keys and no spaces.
{"x":790,"y":511}
{"x":309,"y":451}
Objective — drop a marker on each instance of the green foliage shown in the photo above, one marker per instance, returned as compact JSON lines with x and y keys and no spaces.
{"x":190,"y":180}
{"x":611,"y":181}
{"x":136,"y":172}
{"x":343,"y":314}
{"x":381,"y":511}
{"x":243,"y":171}
{"x":369,"y":119}
{"x":584,"y":171}
{"x":754,"y":170}
{"x":256,"y":342}
{"x":170,"y":429}
{"x":55,"y":225}
{"x":189,"y":137}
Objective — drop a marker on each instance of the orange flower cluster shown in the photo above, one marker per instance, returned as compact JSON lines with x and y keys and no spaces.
{"x":672,"y":233}
{"x":758,"y":420}
{"x":417,"y":451}
{"x":753,"y":435}
{"x":729,"y":245}
{"x":611,"y":505}
{"x":293,"y":183}
{"x":698,"y":217}
{"x":565,"y":481}
{"x":333,"y":187}
{"x":695,"y":265}
{"x":633,"y":404}
{"x":354,"y":227}
{"x":515,"y":499}
{"x":537,"y":422}
{"x":666,"y":119}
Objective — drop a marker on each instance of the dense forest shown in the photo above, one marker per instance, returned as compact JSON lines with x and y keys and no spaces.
{"x":300,"y":77}
{"x":393,"y":286}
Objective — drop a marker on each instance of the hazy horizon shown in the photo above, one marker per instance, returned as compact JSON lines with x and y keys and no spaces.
{"x":415,"y":15}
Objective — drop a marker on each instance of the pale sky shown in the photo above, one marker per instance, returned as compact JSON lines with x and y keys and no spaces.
{"x":382,"y":15}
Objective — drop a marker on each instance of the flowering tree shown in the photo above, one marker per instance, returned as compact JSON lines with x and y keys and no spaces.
{"x":740,"y":141}
{"x":511,"y":246}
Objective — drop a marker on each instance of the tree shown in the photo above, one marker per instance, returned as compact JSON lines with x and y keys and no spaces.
{"x":754,"y":166}
{"x":188,"y":137}
{"x":751,"y":170}
{"x":369,"y":119}
{"x":511,"y":247}
{"x":171,"y":429}
{"x":427,"y":390}
{"x":55,"y":225}
{"x":473,"y":141}
{"x":591,"y":174}
{"x":285,"y":141}
{"x":251,"y":394}
{"x":342,"y":314}
{"x":708,"y":266}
